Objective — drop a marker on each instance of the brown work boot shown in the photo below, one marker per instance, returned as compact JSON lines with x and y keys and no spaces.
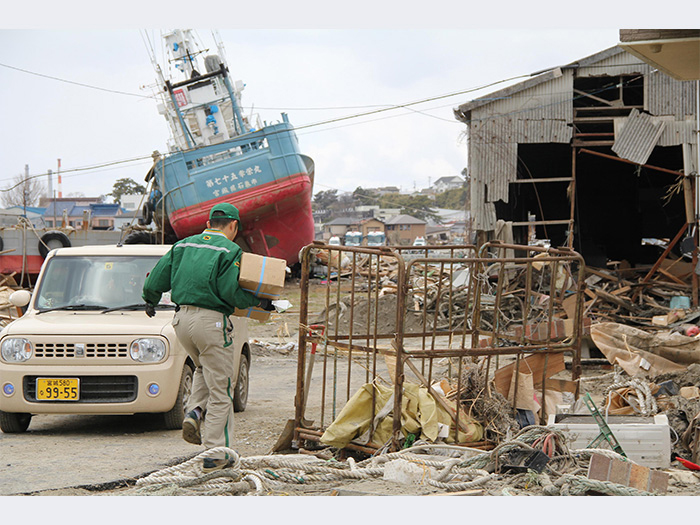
{"x":191,"y":428}
{"x":210,"y":465}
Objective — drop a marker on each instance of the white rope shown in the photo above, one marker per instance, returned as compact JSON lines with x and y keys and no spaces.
{"x":270,"y":474}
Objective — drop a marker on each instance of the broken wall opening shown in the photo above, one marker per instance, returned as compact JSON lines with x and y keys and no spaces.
{"x":620,"y":91}
{"x":542,"y":200}
{"x":619,"y":204}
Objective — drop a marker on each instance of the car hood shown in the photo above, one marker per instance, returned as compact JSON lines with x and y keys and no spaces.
{"x":91,"y":323}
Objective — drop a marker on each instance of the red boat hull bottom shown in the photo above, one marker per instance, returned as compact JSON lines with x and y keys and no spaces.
{"x":276,"y":218}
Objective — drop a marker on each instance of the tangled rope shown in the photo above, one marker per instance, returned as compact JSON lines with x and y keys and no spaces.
{"x":445,"y":467}
{"x":642,"y":391}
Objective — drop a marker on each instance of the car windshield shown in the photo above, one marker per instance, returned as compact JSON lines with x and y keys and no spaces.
{"x":94,"y":281}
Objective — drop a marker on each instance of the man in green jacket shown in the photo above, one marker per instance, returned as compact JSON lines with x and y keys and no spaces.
{"x":202,"y":273}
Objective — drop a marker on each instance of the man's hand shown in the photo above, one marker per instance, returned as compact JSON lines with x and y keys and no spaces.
{"x":266,"y":305}
{"x":150,"y":310}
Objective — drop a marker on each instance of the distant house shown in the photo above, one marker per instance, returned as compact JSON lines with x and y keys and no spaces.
{"x":338,"y":227}
{"x":403,"y":229}
{"x":448,"y":183}
{"x":132,"y":202}
{"x":437,"y":234}
{"x":11,"y":215}
{"x":384,"y":214}
{"x":127,"y":218}
{"x":371,"y":225}
{"x":86,"y":213}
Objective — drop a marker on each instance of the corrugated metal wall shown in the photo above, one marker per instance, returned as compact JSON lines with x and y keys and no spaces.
{"x":549,"y":100}
{"x":620,"y":64}
{"x":541,"y":114}
{"x":664,"y":95}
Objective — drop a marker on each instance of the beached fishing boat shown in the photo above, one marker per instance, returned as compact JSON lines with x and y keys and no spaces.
{"x":219,"y":154}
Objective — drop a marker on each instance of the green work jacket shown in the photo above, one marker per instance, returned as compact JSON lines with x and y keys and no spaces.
{"x":201,"y":270}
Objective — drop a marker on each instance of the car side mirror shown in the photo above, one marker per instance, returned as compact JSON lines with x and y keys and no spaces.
{"x":20,"y":298}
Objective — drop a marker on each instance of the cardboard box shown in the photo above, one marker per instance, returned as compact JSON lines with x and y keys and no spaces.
{"x":264,"y":278}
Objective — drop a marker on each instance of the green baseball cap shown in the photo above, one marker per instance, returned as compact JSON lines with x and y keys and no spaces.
{"x":229,"y":211}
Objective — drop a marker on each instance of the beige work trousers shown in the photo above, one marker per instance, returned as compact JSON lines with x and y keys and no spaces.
{"x":203,"y":333}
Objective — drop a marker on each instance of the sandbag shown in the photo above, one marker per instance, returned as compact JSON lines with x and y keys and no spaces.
{"x":420,"y":414}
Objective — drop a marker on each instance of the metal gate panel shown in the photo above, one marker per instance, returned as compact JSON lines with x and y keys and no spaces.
{"x":393,"y":311}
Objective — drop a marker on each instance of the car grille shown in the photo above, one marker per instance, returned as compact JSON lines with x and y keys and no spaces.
{"x":81,"y":350}
{"x":93,"y":389}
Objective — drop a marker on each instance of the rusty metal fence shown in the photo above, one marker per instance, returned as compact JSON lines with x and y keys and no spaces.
{"x":382,"y":314}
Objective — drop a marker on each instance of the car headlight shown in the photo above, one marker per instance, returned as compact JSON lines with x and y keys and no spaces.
{"x":147,"y":350}
{"x":16,"y":350}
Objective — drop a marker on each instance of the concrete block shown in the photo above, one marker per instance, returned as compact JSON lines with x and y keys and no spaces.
{"x":603,"y":468}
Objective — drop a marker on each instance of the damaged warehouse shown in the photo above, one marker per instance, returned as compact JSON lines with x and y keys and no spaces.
{"x":592,"y":155}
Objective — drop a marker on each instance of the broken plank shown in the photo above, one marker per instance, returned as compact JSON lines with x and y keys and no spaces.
{"x":670,"y":276}
{"x":619,"y":301}
{"x":472,"y":492}
{"x":534,"y":364}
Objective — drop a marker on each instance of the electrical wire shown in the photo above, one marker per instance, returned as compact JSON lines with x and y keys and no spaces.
{"x":77,"y":171}
{"x":73,"y":82}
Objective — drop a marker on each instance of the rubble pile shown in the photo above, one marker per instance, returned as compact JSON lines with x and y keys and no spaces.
{"x":641,"y":320}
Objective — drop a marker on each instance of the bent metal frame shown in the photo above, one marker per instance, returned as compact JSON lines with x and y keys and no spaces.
{"x":389,"y":311}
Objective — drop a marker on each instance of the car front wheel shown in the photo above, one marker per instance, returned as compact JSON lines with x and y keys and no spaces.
{"x":240,"y":394}
{"x":176,"y":415}
{"x":13,"y":423}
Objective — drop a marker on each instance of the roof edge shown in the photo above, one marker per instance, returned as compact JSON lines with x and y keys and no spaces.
{"x":462,"y":111}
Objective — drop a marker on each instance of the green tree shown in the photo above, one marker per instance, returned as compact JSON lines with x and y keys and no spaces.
{"x":364,"y":197}
{"x":126,"y":186}
{"x":324,"y":199}
{"x":452,"y":199}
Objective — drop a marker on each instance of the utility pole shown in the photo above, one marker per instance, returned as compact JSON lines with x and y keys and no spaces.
{"x":24,"y":189}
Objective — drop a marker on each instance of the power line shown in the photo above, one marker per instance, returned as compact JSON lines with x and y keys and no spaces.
{"x":74,"y":83}
{"x":76,"y":171}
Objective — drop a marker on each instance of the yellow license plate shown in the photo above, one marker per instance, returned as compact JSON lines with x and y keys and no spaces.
{"x":57,"y":389}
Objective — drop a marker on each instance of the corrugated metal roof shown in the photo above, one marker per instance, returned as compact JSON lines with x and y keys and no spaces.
{"x":636,"y":139}
{"x":618,"y":63}
{"x":548,"y":99}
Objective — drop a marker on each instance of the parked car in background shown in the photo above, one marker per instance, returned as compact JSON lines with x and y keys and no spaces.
{"x":353,"y":239}
{"x":376,"y":239}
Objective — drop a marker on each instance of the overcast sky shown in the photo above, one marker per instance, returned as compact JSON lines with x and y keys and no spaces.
{"x":313,"y":75}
